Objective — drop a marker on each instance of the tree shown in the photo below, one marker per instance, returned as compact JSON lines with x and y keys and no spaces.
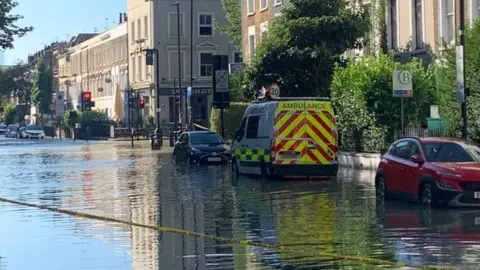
{"x":16,"y":80}
{"x":9,"y":29}
{"x":10,"y":114}
{"x":363,"y":91}
{"x":42,"y":88}
{"x":303,"y":44}
{"x":233,"y":13}
{"x":446,"y":83}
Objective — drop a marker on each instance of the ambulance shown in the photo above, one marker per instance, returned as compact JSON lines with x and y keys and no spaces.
{"x":287,"y":137}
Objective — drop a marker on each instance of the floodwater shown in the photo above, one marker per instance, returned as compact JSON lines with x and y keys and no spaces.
{"x":110,"y":179}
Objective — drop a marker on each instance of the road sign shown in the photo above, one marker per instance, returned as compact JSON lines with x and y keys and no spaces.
{"x":235,"y":67}
{"x":402,"y":84}
{"x":274,"y":90}
{"x":221,"y":77}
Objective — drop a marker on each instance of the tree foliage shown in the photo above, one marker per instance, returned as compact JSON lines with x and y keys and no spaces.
{"x":303,"y":44}
{"x":446,"y":83}
{"x":16,"y":81}
{"x":42,"y":88}
{"x":10,"y":114}
{"x":9,"y":29}
{"x":363,"y":91}
{"x":233,"y":30}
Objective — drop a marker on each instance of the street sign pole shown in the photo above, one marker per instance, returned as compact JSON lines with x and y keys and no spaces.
{"x":402,"y":87}
{"x":221,"y":86}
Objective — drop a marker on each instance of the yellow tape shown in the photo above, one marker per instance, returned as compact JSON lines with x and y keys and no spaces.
{"x":314,"y":253}
{"x":201,"y":127}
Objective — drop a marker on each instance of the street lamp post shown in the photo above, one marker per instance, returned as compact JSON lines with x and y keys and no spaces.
{"x":187,"y":112}
{"x":177,"y":4}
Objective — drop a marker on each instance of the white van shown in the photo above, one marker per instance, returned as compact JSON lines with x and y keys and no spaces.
{"x":287,"y":137}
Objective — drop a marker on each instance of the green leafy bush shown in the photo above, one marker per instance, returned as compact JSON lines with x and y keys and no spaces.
{"x":232,"y":116}
{"x":362,"y":97}
{"x":10,"y":114}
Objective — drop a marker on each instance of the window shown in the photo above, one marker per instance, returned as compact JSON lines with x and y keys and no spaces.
{"x":145,"y":27}
{"x":419,"y":24}
{"x":241,"y":129}
{"x":446,"y":152}
{"x":173,"y":64}
{"x":140,"y":69}
{"x":476,"y":9}
{"x":278,"y":2}
{"x":206,"y":65}
{"x":183,"y":138}
{"x":264,"y":35}
{"x":393,"y":24}
{"x":139,"y":29}
{"x":252,"y":127}
{"x":263,"y":4}
{"x":448,"y":7}
{"x":237,"y":57}
{"x":251,"y":46}
{"x":205,"y":25}
{"x":172,"y":110}
{"x":134,"y":69}
{"x":132,"y":28}
{"x":250,"y":6}
{"x":401,"y":150}
{"x":173,"y":26}
{"x":206,"y":138}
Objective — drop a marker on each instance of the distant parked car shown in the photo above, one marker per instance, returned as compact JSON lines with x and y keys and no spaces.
{"x":3,"y":128}
{"x":11,"y":131}
{"x":34,"y":132}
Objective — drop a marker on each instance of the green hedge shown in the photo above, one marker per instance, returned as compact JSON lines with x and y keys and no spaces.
{"x":233,"y":118}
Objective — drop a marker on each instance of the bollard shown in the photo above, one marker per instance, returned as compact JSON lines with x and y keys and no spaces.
{"x":172,"y":143}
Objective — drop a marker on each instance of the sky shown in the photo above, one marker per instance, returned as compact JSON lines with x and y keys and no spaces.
{"x":59,"y":20}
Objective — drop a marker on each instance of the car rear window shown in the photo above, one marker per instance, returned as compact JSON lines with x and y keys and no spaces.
{"x":206,"y":138}
{"x":34,"y":128}
{"x":447,"y":152}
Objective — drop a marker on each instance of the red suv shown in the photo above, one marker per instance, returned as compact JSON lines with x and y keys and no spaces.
{"x":434,"y":171}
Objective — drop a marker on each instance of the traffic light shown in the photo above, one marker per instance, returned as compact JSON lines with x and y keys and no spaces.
{"x":142,"y":103}
{"x":131,"y":101}
{"x":87,"y":101}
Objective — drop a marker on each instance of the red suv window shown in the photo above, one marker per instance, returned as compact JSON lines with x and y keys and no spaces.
{"x":446,"y":152}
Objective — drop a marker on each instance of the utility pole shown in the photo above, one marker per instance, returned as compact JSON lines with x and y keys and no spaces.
{"x":187,"y":112}
{"x":462,"y":89}
{"x":177,"y":4}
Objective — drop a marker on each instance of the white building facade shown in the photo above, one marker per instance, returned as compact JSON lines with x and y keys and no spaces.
{"x":153,"y":24}
{"x":100,"y":65}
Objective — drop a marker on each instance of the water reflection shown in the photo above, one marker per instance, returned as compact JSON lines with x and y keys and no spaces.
{"x":339,"y":216}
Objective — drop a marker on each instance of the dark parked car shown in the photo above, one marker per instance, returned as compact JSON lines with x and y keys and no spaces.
{"x":201,"y":147}
{"x":11,"y":131}
{"x":3,"y":128}
{"x":434,"y":171}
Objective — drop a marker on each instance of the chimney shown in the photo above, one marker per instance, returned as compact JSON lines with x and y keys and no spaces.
{"x":125,"y":19}
{"x":120,"y":18}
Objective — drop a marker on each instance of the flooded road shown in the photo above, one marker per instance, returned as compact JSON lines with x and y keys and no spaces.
{"x":111,"y":179}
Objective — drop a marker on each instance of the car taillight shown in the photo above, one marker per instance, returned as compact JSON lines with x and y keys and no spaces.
{"x":272,"y":150}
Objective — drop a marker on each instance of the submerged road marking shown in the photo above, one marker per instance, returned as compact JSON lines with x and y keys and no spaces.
{"x":316,"y":254}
